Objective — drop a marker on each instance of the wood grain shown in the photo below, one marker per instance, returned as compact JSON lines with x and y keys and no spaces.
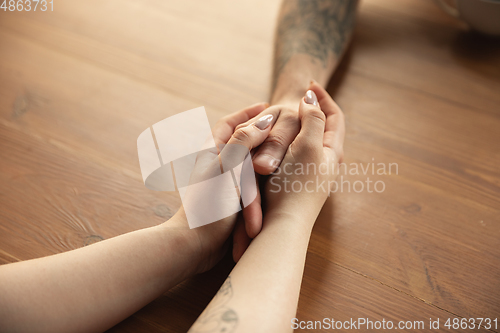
{"x":79,"y":84}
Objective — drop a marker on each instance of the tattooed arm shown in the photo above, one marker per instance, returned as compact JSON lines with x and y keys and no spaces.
{"x":310,"y":39}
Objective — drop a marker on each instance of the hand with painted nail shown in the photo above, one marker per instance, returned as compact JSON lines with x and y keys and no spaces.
{"x":307,"y":173}
{"x":269,"y":155}
{"x":237,"y":134}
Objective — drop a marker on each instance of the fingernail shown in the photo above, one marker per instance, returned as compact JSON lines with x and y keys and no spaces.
{"x":264,"y":122}
{"x":311,"y":98}
{"x":267,"y":161}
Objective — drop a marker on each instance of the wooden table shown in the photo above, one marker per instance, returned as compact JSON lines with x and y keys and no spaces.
{"x":78,"y":85}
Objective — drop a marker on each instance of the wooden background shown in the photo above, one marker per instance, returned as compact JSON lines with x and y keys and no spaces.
{"x":78,"y":85}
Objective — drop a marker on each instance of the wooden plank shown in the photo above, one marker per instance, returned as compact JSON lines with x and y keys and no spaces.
{"x":49,"y":199}
{"x":178,"y":65}
{"x":393,"y":44}
{"x":333,"y":292}
{"x":83,"y":108}
{"x":408,"y":239}
{"x":436,"y":224}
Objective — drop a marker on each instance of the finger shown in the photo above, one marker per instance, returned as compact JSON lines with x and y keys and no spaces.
{"x":275,"y":111}
{"x":312,"y":120}
{"x":268,"y":157}
{"x":225,"y":127}
{"x":335,"y":121}
{"x":241,"y":241}
{"x":335,"y":134}
{"x":244,"y":139}
{"x":252,"y":214}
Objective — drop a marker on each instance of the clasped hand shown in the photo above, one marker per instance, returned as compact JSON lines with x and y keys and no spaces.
{"x":278,"y":137}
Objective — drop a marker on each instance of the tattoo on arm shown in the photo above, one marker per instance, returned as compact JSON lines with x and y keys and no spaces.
{"x":319,"y":28}
{"x":217,"y":317}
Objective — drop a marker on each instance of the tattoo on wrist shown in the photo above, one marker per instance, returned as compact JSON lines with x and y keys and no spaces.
{"x":318,"y":28}
{"x":217,"y":317}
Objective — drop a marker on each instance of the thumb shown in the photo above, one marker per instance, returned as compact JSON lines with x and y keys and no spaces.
{"x":244,"y":139}
{"x":312,"y":121}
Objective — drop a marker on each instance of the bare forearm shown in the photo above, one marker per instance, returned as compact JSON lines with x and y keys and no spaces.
{"x":310,"y":39}
{"x":92,"y":288}
{"x":262,"y":291}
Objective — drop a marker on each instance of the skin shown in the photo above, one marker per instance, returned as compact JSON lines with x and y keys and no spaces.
{"x":265,"y":283}
{"x":311,"y":37}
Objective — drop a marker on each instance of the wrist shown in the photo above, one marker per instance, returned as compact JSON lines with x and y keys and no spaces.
{"x":289,"y":98}
{"x":184,"y":241}
{"x":300,"y":224}
{"x":292,"y":82}
{"x":202,"y":247}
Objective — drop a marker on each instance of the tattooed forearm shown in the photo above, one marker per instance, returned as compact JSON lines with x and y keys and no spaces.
{"x":318,"y":28}
{"x":217,"y":317}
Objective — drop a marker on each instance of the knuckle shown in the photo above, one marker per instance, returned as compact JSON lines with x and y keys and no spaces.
{"x":289,"y":116}
{"x":310,"y":146}
{"x":308,"y":151}
{"x":240,"y":126}
{"x":242,"y":134}
{"x":317,"y":114}
{"x":276,"y":140}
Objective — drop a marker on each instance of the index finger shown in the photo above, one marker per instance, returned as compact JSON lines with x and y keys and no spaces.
{"x":225,"y":127}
